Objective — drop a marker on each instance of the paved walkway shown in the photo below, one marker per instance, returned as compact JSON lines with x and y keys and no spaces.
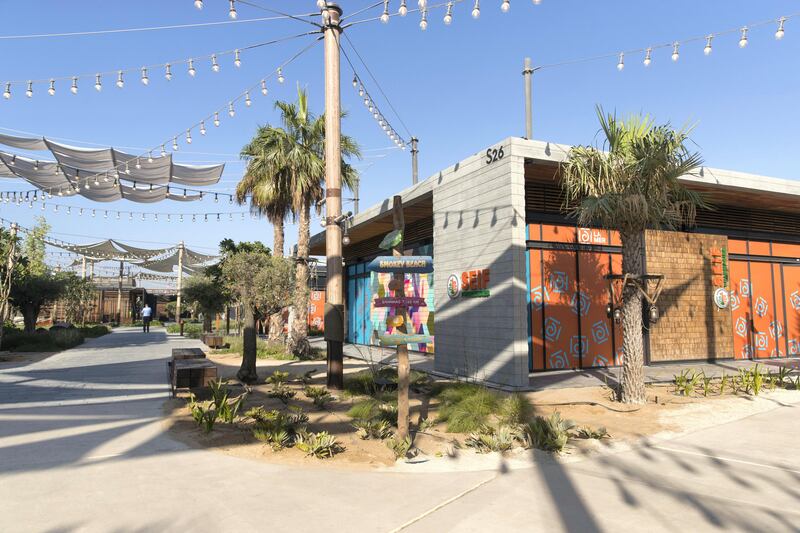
{"x":82,"y":448}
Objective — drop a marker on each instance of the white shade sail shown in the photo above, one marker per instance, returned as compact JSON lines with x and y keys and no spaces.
{"x":113,"y":174}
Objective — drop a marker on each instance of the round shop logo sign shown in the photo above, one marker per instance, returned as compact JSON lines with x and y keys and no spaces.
{"x":722,"y":298}
{"x":453,"y":286}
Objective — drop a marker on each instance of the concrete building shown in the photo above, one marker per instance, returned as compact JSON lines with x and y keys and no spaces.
{"x":518,"y":288}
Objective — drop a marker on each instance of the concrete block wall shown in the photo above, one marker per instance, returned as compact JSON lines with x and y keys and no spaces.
{"x":479,"y":223}
{"x":690,"y":327}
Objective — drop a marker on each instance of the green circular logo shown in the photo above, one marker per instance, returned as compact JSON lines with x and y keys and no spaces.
{"x":453,"y":286}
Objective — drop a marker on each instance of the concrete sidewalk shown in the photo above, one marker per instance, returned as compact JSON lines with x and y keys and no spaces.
{"x":83,"y":448}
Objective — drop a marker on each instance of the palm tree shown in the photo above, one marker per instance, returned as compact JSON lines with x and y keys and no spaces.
{"x":289,"y":178}
{"x":631,"y":184}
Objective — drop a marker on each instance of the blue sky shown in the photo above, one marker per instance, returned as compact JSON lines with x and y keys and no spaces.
{"x":458,"y":88}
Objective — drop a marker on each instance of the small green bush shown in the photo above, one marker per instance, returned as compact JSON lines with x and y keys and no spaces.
{"x":515,"y":410}
{"x":490,"y":439}
{"x":191,"y":330}
{"x":264,"y":349}
{"x":372,"y":409}
{"x":466,"y":407}
{"x":587,"y":432}
{"x":550,"y":434}
{"x":277,"y":428}
{"x":92,"y":332}
{"x":372,"y":429}
{"x":42,"y":341}
{"x":319,"y":395}
{"x":400,"y":447}
{"x":321,"y":445}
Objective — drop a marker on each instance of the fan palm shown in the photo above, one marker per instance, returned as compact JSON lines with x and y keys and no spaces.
{"x":630,"y":184}
{"x":287,"y":177}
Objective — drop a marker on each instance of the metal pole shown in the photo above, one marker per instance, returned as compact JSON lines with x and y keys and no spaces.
{"x":527,"y":74}
{"x":334,"y":304}
{"x":119,"y":295}
{"x":83,"y":267}
{"x":355,"y":195}
{"x":180,"y":284}
{"x":414,"y":161}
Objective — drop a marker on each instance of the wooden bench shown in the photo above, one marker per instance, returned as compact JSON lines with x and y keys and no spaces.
{"x":192,"y":373}
{"x":188,"y":353}
{"x":213,"y":341}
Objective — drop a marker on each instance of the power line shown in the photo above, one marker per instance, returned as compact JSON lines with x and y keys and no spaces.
{"x":142,"y":29}
{"x":377,"y":84}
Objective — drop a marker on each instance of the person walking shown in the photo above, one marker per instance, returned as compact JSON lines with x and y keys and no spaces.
{"x":147,"y":315}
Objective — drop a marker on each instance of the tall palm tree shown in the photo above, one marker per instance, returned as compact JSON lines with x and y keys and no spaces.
{"x":291,"y":175}
{"x":630,"y":184}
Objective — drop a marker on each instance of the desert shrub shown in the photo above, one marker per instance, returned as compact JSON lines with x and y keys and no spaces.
{"x":54,"y":340}
{"x":551,"y":433}
{"x":686,"y":382}
{"x":227,"y":408}
{"x":321,"y":445}
{"x":205,"y":414}
{"x":278,"y":429}
{"x":466,"y":407}
{"x":515,"y":409}
{"x":751,"y":380}
{"x":360,"y":384}
{"x":372,"y":409}
{"x":490,"y":439}
{"x":371,"y":382}
{"x":587,"y":432}
{"x":282,"y":392}
{"x":278,"y":377}
{"x":92,"y":332}
{"x":319,"y":395}
{"x":400,"y":447}
{"x":372,"y":429}
{"x":191,"y":330}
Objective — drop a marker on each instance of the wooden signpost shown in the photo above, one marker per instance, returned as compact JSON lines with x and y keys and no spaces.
{"x":404,"y":264}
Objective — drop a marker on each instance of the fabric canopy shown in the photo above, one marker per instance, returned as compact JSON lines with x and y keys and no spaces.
{"x":193,"y":262}
{"x":110,"y":250}
{"x":113,"y":174}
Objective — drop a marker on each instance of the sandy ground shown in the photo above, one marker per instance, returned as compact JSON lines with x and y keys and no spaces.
{"x":665,"y":416}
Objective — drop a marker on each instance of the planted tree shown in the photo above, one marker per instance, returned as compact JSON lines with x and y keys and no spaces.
{"x":31,"y":292}
{"x":8,"y":260}
{"x":629,"y":184}
{"x":286,"y":175}
{"x":261,"y":283}
{"x":78,"y":297}
{"x":208,"y":295}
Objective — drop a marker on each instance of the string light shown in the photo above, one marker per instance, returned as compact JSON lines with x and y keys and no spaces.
{"x":168,"y":72}
{"x":621,"y":62}
{"x":231,"y":111}
{"x":120,"y":81}
{"x":780,"y":31}
{"x":648,"y":57}
{"x":280,"y":75}
{"x":476,"y":9}
{"x":138,"y":166}
{"x":743,"y":38}
{"x":52,"y":89}
{"x":29,"y":90}
{"x":385,"y":14}
{"x":216,"y":119}
{"x":192,"y":70}
{"x":448,"y":16}
{"x":202,"y":127}
{"x":247,"y":100}
{"x":422,"y":4}
{"x":145,"y":79}
{"x":7,"y":92}
{"x":232,"y":11}
{"x":174,"y":144}
{"x":237,"y":62}
{"x":675,"y":53}
{"x":98,"y":84}
{"x":403,"y":10}
{"x":423,"y":23}
{"x":198,"y":4}
{"x":214,"y":64}
{"x":188,"y":136}
{"x":264,"y":90}
{"x":505,"y":6}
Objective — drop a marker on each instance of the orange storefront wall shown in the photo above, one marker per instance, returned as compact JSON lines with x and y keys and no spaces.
{"x":568,"y":297}
{"x":316,"y":310}
{"x":765,"y":300}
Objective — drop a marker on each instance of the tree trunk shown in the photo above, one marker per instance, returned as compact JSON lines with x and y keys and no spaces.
{"x":278,"y":240}
{"x":275,"y":326}
{"x":633,"y":390}
{"x":299,"y":326}
{"x":30,"y":313}
{"x":247,"y":372}
{"x":206,"y":323}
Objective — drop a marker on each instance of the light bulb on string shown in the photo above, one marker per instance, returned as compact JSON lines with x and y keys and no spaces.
{"x":105,"y":178}
{"x":403,"y":10}
{"x":237,"y":62}
{"x":385,"y":14}
{"x":247,"y":100}
{"x":476,"y":9}
{"x":231,"y":111}
{"x":780,"y":31}
{"x":537,"y":2}
{"x":743,"y":39}
{"x":130,"y":216}
{"x":648,"y":57}
{"x":423,"y":23}
{"x":264,"y":89}
{"x":202,"y":127}
{"x":145,"y":79}
{"x":138,"y":165}
{"x":163,"y":150}
{"x":98,"y":83}
{"x":168,"y":71}
{"x":355,"y":81}
{"x":448,"y":16}
{"x":7,"y":92}
{"x":216,"y":119}
{"x":214,"y":64}
{"x":120,"y":80}
{"x":96,"y":182}
{"x":621,"y":62}
{"x":422,"y":4}
{"x":127,"y":170}
{"x":29,"y":90}
{"x":118,"y":215}
{"x":192,"y":71}
{"x":232,"y":11}
{"x":174,"y":144}
{"x":361,"y":90}
{"x":188,"y":136}
{"x":505,"y":6}
{"x":150,"y":157}
{"x":280,"y":75}
{"x":52,"y":89}
{"x":198,"y":4}
{"x":707,"y":49}
{"x":74,"y":88}
{"x":675,"y":51}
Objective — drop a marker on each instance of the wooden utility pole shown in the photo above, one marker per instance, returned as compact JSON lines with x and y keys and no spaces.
{"x":180,"y":286}
{"x":5,"y":308}
{"x":414,"y":160}
{"x":403,"y":369}
{"x":334,"y":294}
